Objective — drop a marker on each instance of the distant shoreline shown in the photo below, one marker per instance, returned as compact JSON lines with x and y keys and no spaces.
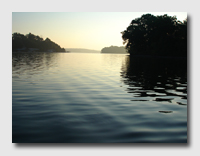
{"x":38,"y":52}
{"x":114,"y":53}
{"x":81,"y":50}
{"x":114,"y":50}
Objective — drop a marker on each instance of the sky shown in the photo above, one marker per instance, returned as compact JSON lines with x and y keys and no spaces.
{"x":89,"y":30}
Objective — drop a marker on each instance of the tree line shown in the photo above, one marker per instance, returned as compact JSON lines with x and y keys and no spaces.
{"x":30,"y":41}
{"x":114,"y":49}
{"x":156,"y":35}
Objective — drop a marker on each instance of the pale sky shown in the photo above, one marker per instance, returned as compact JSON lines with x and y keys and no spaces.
{"x":90,"y":30}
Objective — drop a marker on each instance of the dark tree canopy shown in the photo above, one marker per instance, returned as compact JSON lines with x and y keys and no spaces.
{"x":156,"y":35}
{"x":30,"y":42}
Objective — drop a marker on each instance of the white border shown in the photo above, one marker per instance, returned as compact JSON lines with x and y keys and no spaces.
{"x":9,"y":6}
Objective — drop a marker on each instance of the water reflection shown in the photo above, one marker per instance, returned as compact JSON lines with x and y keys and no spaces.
{"x":76,"y":98}
{"x":156,"y":79}
{"x":33,"y":63}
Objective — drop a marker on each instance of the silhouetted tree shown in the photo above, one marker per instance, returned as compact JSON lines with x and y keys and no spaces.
{"x":156,"y":35}
{"x":18,"y":40}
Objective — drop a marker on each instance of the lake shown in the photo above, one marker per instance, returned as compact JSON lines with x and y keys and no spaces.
{"x":98,"y":98}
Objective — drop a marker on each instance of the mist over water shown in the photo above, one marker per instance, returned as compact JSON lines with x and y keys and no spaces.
{"x":98,"y":98}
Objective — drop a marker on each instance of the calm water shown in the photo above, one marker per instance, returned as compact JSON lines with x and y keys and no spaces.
{"x":103,"y":98}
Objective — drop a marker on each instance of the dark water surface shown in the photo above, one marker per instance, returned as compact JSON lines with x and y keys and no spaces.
{"x":98,"y":98}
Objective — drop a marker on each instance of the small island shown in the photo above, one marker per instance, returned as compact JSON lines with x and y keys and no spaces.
{"x":33,"y":43}
{"x":114,"y":50}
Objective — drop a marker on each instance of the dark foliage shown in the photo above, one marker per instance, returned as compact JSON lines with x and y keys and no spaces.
{"x":30,"y":42}
{"x":156,"y":35}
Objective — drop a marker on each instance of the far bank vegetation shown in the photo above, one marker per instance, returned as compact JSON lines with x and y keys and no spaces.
{"x":33,"y":43}
{"x":114,"y":49}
